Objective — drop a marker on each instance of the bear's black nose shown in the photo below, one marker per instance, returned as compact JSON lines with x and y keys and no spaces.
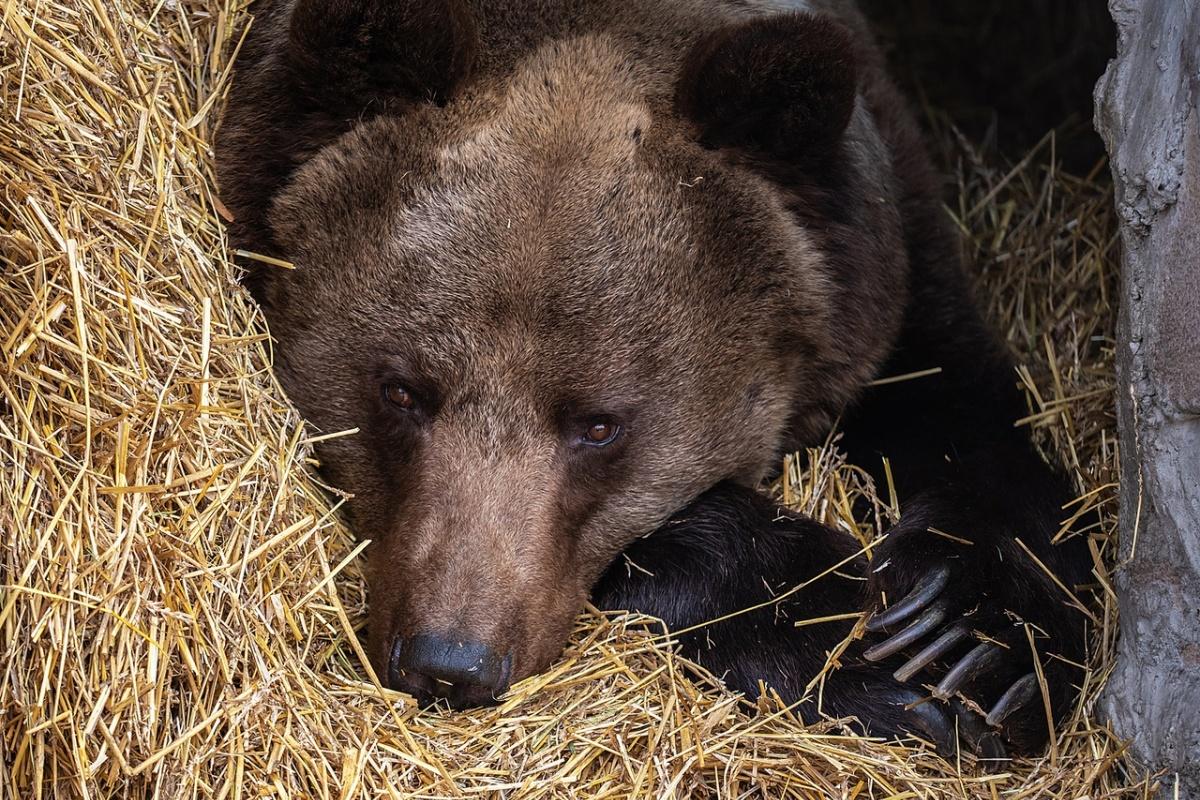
{"x":431,"y":667}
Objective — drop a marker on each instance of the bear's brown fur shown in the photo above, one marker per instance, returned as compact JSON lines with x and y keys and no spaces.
{"x":706,"y":225}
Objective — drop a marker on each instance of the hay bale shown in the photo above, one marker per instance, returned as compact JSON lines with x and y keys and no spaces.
{"x":180,"y":605}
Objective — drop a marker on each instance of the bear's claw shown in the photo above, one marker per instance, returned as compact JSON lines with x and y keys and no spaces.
{"x":934,"y":582}
{"x":983,"y":656}
{"x":1016,"y":696}
{"x":950,"y":638}
{"x":930,"y":619}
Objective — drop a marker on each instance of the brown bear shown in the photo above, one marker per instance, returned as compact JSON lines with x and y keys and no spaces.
{"x":579,"y":272}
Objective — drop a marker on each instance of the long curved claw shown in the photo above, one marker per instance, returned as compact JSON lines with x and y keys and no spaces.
{"x":983,"y":657}
{"x":927,"y":588}
{"x":1017,"y":695}
{"x":929,"y":620}
{"x":936,"y":649}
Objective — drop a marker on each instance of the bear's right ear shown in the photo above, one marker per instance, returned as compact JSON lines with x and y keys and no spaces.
{"x":347,"y":54}
{"x":782,"y":85}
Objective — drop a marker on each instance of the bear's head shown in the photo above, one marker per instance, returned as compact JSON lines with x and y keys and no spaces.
{"x":554,"y":300}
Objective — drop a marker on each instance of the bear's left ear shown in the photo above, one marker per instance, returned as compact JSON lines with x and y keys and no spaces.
{"x":781,"y":85}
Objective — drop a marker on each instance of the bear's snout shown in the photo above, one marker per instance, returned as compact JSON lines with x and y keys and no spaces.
{"x":453,"y":668}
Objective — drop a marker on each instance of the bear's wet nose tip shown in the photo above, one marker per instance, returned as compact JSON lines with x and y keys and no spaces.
{"x":434,"y":667}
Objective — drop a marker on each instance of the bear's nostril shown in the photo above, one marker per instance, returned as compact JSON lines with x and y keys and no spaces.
{"x":464,"y":672}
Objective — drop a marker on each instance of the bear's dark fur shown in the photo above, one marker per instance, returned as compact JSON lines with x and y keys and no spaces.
{"x":579,"y":272}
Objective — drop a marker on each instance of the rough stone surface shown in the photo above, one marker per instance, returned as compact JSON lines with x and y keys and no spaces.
{"x":1146,"y":111}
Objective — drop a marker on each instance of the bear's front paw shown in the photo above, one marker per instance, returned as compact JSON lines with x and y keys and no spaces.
{"x":983,"y":626}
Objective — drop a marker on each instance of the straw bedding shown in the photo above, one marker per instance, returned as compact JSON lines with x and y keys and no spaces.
{"x":180,"y":604}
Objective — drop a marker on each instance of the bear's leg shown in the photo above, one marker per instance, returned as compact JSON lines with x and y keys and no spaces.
{"x":755,"y":594}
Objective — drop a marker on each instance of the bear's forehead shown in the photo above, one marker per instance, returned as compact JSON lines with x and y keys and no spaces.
{"x":565,"y":253}
{"x":552,"y":227}
{"x":548,"y":181}
{"x":562,"y":208}
{"x":604,"y":281}
{"x":555,"y":157}
{"x":557,"y":195}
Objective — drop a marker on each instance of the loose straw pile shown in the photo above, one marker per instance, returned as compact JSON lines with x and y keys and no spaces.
{"x":180,"y":606}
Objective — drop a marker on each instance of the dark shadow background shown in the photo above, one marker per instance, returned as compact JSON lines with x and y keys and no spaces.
{"x":1004,"y":72}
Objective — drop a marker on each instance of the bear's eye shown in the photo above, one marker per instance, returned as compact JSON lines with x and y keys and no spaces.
{"x":399,"y":396}
{"x":601,"y":432}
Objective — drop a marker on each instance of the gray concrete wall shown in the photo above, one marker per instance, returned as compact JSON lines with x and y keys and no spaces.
{"x":1146,"y":111}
